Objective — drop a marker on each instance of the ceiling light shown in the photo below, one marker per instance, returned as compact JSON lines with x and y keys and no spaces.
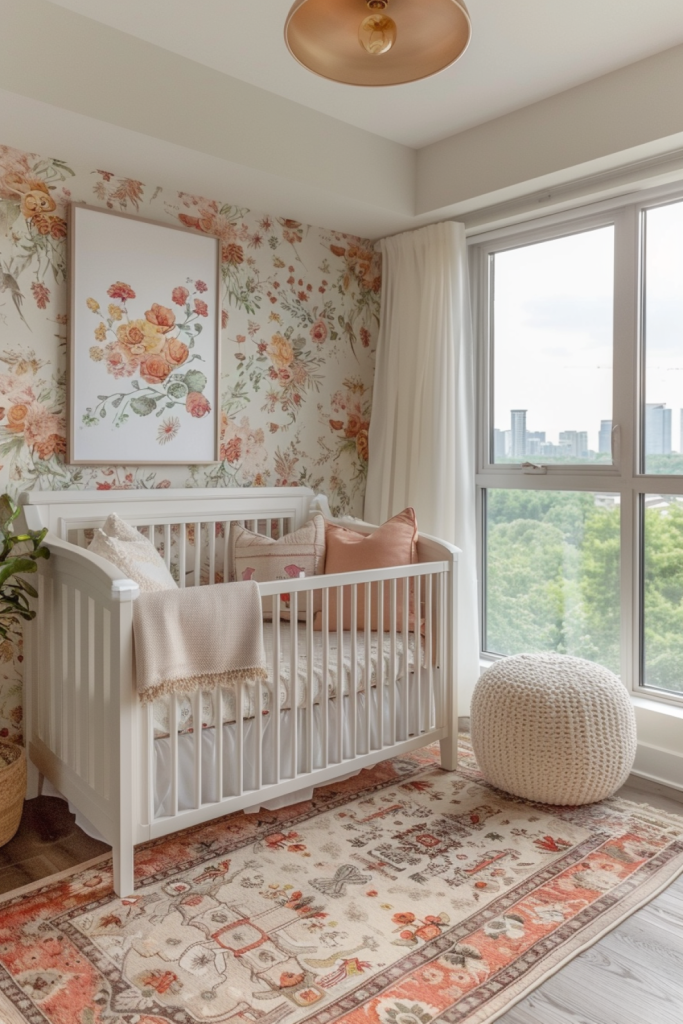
{"x":377,"y":42}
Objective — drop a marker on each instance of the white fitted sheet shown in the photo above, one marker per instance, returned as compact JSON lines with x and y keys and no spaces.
{"x":184,"y":713}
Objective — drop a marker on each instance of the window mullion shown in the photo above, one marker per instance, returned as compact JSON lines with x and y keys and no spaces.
{"x":626,"y":405}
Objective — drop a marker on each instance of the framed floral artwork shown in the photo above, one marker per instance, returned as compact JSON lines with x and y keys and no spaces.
{"x":143,"y":368}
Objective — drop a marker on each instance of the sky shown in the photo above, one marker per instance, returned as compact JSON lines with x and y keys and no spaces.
{"x":553,"y":328}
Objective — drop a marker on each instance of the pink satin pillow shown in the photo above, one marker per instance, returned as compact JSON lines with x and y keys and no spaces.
{"x":393,"y":544}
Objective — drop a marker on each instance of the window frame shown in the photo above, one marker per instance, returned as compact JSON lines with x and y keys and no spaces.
{"x":625,"y":475}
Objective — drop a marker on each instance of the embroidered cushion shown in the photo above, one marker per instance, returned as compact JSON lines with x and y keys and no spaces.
{"x":392,"y":544}
{"x":136,"y":557}
{"x":255,"y":557}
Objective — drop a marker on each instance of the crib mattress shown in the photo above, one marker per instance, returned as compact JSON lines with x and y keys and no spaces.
{"x":184,"y":710}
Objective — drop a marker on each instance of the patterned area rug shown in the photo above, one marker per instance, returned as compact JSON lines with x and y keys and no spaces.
{"x":406,"y":895}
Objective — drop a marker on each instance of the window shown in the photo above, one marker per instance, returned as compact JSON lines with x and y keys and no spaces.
{"x":580,"y":464}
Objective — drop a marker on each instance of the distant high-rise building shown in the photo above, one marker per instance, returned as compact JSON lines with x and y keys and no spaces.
{"x":518,"y":433}
{"x":499,"y":446}
{"x":536,"y":435}
{"x":657,"y":429}
{"x":605,"y":437}
{"x":576,"y":441}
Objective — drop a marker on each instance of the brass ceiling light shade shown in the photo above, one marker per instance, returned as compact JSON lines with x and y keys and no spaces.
{"x":377,"y":42}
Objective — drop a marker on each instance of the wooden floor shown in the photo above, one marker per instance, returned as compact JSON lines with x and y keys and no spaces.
{"x":634,"y":975}
{"x":48,"y":841}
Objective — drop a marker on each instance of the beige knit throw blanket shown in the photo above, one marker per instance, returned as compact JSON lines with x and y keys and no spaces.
{"x":198,"y":639}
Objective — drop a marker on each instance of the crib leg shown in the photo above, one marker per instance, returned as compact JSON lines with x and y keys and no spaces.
{"x":449,"y":753}
{"x":34,"y":780}
{"x":124,"y":873}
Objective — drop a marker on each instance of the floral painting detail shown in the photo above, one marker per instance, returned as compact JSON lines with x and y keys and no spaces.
{"x":299,"y":313}
{"x":370,"y":904}
{"x":150,"y":350}
{"x":152,"y":342}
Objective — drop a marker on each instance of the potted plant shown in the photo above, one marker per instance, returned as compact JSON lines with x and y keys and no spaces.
{"x":15,"y":592}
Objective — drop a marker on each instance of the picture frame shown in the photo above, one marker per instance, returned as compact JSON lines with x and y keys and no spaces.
{"x":143,"y":367}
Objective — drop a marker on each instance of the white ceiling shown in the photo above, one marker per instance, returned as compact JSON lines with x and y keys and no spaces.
{"x":521,"y":52}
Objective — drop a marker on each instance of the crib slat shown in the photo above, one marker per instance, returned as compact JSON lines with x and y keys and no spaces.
{"x":167,"y":545}
{"x":445,"y":668}
{"x":59,"y":670}
{"x":105,"y":698}
{"x":393,"y":681}
{"x":239,"y":733}
{"x":405,"y":681}
{"x":258,"y":733}
{"x":197,"y":737}
{"x":275,"y":683}
{"x":417,"y":656}
{"x":226,"y":549}
{"x":429,"y":657}
{"x":269,"y":528}
{"x":353,"y":683}
{"x":92,"y":683}
{"x":218,"y":725}
{"x":324,"y":689}
{"x":309,"y":681}
{"x":368,"y":665}
{"x":182,"y":546}
{"x":147,"y":802}
{"x":84,"y":687}
{"x":197,"y":567}
{"x":380,"y":665}
{"x":71,"y":737}
{"x":340,"y":673}
{"x":294,"y":678}
{"x":173,"y":735}
{"x":211,"y":527}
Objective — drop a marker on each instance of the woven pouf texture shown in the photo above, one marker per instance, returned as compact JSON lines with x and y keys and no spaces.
{"x":553,"y":729}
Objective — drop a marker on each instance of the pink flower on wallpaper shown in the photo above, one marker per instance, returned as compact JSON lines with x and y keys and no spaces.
{"x":201,"y":307}
{"x":41,"y":294}
{"x":120,"y":290}
{"x":201,"y":286}
{"x":319,"y":332}
{"x":180,"y":296}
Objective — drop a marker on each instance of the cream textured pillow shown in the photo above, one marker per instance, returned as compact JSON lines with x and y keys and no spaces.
{"x":136,"y":557}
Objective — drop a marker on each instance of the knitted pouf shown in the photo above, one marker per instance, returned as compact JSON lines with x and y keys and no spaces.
{"x":553,"y":729}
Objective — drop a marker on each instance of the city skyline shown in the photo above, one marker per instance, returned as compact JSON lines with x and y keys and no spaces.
{"x":517,"y":441}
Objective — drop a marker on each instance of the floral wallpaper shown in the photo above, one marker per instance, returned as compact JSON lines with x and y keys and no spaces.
{"x":300,"y":314}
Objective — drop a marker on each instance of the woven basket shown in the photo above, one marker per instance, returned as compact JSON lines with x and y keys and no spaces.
{"x":12,"y":789}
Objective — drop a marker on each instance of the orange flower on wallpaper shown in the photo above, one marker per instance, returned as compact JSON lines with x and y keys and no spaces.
{"x":280,"y":351}
{"x":161,"y":317}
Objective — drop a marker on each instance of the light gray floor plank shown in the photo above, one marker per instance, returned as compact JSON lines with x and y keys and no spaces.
{"x":634,"y":975}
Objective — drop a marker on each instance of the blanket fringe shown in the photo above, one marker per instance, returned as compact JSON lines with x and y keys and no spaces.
{"x":190,"y":684}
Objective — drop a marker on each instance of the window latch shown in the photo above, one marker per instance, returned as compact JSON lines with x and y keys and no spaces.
{"x":532,"y":468}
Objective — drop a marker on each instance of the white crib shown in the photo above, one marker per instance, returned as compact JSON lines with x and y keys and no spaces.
{"x":336,"y":701}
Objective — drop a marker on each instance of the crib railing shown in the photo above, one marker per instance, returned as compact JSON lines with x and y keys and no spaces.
{"x":389,"y":697}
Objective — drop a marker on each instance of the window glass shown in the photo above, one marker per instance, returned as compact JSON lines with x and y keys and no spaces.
{"x":662,"y":589}
{"x":552,"y":350}
{"x":663,"y":322}
{"x":552,"y":573}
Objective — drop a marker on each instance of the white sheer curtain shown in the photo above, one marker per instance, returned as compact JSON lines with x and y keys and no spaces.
{"x":422,"y":425}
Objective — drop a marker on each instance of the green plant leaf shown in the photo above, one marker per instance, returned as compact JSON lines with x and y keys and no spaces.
{"x":143,"y":405}
{"x":195,"y":380}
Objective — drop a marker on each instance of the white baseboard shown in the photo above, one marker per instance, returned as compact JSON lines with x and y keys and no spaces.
{"x":661,"y":766}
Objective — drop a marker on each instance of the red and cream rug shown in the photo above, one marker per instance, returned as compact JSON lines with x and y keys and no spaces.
{"x":406,"y":895}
